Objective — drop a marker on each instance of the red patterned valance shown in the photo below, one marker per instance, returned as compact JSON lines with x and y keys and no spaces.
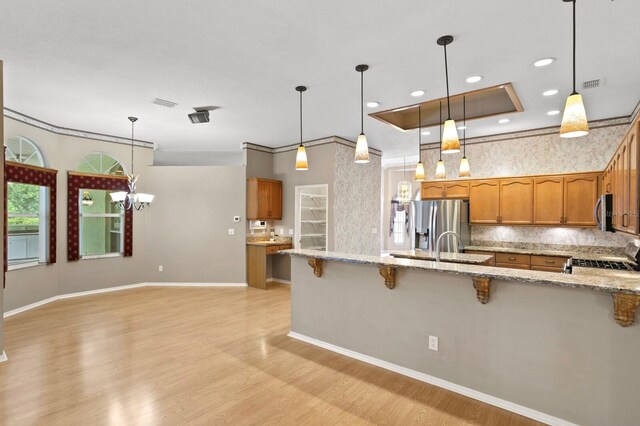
{"x":32,"y":175}
{"x":77,"y":181}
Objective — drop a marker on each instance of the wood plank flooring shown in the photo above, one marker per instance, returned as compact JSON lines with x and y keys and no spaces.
{"x":170,"y":356}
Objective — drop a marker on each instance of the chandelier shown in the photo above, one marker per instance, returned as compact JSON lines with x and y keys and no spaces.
{"x":131,"y":200}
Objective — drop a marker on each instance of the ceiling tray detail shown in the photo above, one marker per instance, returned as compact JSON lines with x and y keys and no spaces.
{"x":482,"y":103}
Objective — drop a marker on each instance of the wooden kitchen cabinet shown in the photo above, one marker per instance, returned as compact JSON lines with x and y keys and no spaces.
{"x":548,"y":200}
{"x":516,"y":202}
{"x":264,"y":199}
{"x":625,"y":178}
{"x":580,"y":197}
{"x":484,"y":202}
{"x":440,"y":190}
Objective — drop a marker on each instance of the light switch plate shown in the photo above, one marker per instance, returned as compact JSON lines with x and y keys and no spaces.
{"x":236,"y":218}
{"x":232,"y":231}
{"x":290,"y":231}
{"x":160,"y":268}
{"x":433,"y":343}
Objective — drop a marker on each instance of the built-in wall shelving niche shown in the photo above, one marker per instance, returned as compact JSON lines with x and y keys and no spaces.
{"x":311,"y":227}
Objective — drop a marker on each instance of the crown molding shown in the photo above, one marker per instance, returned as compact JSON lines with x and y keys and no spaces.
{"x":307,"y":144}
{"x":23,"y":118}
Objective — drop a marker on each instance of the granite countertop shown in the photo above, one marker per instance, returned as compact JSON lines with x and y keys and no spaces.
{"x":583,"y":279}
{"x":278,"y":241}
{"x":444,"y":256}
{"x":543,"y":252}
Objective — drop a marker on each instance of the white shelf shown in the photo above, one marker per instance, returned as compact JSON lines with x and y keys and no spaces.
{"x":313,"y":195}
{"x":313,"y":221}
{"x":313,"y":235}
{"x":320,"y":209}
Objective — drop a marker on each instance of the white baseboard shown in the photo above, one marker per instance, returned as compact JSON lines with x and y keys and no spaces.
{"x":278,"y":280}
{"x":111,"y":289}
{"x":3,"y":357}
{"x":426,"y":378}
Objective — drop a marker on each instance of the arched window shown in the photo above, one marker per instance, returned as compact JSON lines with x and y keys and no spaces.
{"x":101,"y":222}
{"x":25,"y":151}
{"x":27,"y":208}
{"x":100,"y":163}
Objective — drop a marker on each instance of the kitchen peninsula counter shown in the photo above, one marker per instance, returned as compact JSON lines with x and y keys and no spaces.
{"x":546,"y":252}
{"x":503,"y":334}
{"x":474,"y":259}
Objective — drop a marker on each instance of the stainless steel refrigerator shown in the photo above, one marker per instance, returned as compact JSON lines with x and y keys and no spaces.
{"x":431,"y":218}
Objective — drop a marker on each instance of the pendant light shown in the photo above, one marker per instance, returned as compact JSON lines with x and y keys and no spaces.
{"x":301,"y":156}
{"x":404,"y":187}
{"x":440,"y":171}
{"x":450,"y":140}
{"x":362,"y":148}
{"x":574,"y":119}
{"x":132,"y":199}
{"x":465,"y":170}
{"x":420,"y":167}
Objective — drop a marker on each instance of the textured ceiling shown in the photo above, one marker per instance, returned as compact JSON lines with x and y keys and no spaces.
{"x":88,"y":65}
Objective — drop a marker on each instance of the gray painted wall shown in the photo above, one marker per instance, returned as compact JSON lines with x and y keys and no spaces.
{"x":528,"y":340}
{"x":188,"y":224}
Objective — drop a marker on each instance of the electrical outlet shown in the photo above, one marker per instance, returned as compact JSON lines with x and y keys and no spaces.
{"x":433,"y":343}
{"x":232,"y":231}
{"x":290,"y":231}
{"x":160,"y":268}
{"x":280,"y":231}
{"x":236,"y":219}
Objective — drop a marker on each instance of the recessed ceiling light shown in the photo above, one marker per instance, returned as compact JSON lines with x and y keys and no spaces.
{"x":553,"y":112}
{"x":462,"y":127}
{"x":474,"y":79}
{"x":373,"y":104}
{"x":544,"y":62}
{"x":417,"y":93}
{"x":550,"y":92}
{"x":426,"y":133}
{"x":504,"y":121}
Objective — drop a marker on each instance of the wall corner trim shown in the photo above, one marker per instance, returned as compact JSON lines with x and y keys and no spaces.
{"x":426,"y":378}
{"x":3,"y":357}
{"x":110,"y":289}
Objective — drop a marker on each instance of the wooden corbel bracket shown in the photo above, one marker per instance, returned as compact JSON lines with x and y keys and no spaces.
{"x":316,"y":264}
{"x":483,"y":288}
{"x":625,"y":307}
{"x":389,"y":275}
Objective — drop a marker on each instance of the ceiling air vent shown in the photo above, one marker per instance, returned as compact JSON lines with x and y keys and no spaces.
{"x":591,"y":84}
{"x":164,"y":103}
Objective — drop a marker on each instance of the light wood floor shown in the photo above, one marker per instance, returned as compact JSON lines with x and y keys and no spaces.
{"x":201,"y":356}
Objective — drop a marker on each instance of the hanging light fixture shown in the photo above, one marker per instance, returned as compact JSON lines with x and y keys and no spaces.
{"x":420,"y":167}
{"x":440,"y":171}
{"x":131,"y":200}
{"x":362,"y":148}
{"x":465,"y":170}
{"x":450,"y":140}
{"x":301,"y":156}
{"x":404,"y":187}
{"x":574,"y":119}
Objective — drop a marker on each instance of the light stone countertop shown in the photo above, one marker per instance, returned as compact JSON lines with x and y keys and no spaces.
{"x":541,"y":252}
{"x":444,"y":256}
{"x":264,"y":241}
{"x":622,"y":283}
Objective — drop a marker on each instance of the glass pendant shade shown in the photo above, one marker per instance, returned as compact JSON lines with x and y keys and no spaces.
{"x":301,"y":159}
{"x":362,"y":149}
{"x":450,"y":140}
{"x":119,"y":196}
{"x":145,"y":198}
{"x":574,"y":119}
{"x":465,"y":170}
{"x":404,"y":192}
{"x":440,"y":172}
{"x":420,"y":172}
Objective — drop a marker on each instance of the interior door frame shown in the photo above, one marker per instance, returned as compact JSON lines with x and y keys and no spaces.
{"x":297,"y":225}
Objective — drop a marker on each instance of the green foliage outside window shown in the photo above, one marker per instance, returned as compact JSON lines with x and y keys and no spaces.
{"x":23,"y":204}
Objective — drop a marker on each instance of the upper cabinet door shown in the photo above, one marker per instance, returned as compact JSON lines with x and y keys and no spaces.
{"x":456,"y":190}
{"x":432,"y":190}
{"x":620,"y":187}
{"x":275,"y":200}
{"x":264,"y":199}
{"x":516,"y":201}
{"x":484,"y":202}
{"x":548,"y":200}
{"x":580,"y":197}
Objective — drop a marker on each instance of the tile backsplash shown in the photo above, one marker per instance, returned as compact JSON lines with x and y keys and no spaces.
{"x":589,"y":237}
